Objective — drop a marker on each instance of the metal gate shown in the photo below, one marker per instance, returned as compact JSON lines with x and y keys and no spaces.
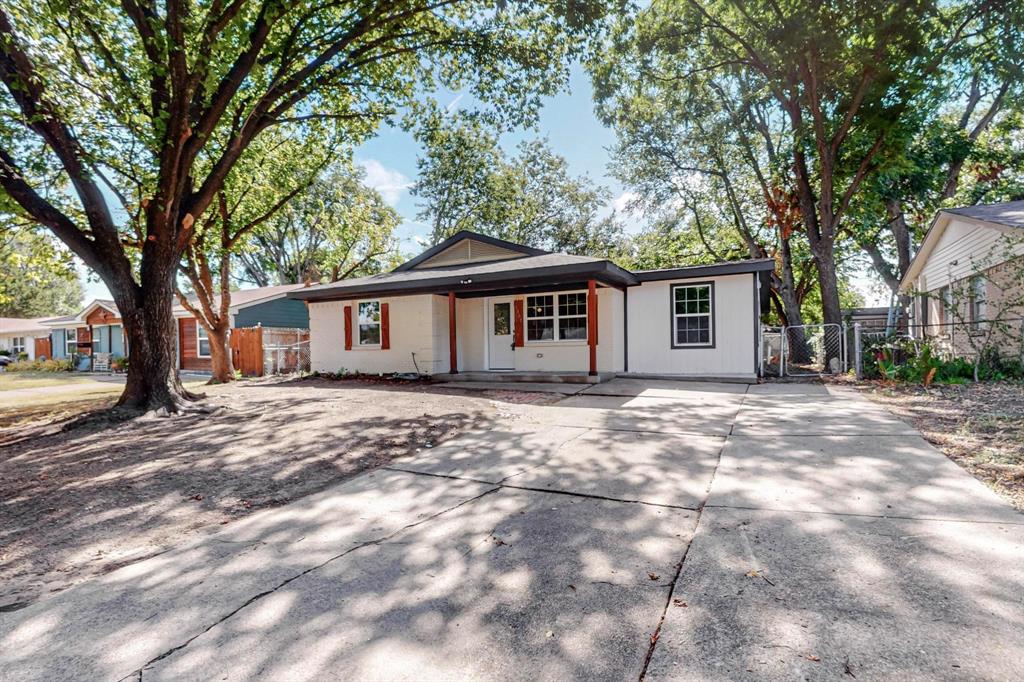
{"x":813,"y":349}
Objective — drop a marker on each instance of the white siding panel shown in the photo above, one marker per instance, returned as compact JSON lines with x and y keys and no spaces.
{"x":412,"y":321}
{"x":650,"y":331}
{"x":964,"y":249}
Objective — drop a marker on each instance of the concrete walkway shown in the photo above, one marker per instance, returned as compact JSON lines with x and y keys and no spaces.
{"x":654,"y":530}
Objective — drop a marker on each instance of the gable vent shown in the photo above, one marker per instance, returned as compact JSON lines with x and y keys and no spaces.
{"x":468,"y":251}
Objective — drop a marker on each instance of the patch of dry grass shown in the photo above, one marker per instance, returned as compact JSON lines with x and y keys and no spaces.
{"x":978,"y":426}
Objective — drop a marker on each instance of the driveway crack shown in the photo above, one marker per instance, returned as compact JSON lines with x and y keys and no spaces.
{"x":686,"y":551}
{"x":137,"y":674}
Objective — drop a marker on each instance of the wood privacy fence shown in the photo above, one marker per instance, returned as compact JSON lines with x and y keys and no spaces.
{"x":257,"y":351}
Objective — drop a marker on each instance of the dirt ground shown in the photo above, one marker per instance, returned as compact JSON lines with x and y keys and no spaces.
{"x":978,"y":426}
{"x":79,"y":503}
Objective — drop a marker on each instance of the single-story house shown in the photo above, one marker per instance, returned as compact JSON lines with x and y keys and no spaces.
{"x":476,"y":304}
{"x":97,"y":331}
{"x":967,"y":272}
{"x":24,"y":335}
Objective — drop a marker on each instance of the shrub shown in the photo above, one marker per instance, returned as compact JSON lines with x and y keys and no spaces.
{"x":60,"y":365}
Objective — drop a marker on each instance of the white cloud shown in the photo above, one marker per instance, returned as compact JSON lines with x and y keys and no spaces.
{"x":389,"y":182}
{"x":620,"y":204}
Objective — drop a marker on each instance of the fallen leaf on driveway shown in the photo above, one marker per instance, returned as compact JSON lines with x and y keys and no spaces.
{"x":678,"y":602}
{"x":549,"y":633}
{"x":811,"y":657}
{"x":653,"y":576}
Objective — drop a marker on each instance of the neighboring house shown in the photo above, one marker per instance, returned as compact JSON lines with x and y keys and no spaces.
{"x":478,"y":304}
{"x":967,"y":272}
{"x":97,"y":333}
{"x":265,"y":306}
{"x":21,"y":335}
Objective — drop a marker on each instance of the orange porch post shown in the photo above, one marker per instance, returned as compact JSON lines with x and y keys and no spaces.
{"x":453,"y":351}
{"x":592,"y":324}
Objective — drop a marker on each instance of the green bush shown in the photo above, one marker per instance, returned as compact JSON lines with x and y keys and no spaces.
{"x":900,"y":359}
{"x":59,"y":365}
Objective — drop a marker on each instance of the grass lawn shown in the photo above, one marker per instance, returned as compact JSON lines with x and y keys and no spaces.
{"x":10,"y":381}
{"x":32,"y":398}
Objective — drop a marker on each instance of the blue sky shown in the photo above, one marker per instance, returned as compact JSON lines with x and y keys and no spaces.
{"x":567,"y":120}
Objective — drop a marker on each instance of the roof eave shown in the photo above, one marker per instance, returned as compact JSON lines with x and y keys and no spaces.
{"x":739,"y":267}
{"x":603,"y":271}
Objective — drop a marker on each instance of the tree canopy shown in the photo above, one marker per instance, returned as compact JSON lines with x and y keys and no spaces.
{"x":123,"y":120}
{"x":467,"y":181}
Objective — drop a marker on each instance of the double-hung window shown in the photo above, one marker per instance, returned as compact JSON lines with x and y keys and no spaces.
{"x":202,"y":341}
{"x":693,"y":319}
{"x":977,"y":300}
{"x":18,"y":345}
{"x":70,"y":341}
{"x":557,"y":317}
{"x":369,"y":323}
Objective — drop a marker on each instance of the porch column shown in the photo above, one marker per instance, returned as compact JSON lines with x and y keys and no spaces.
{"x":592,"y":324}
{"x":453,"y":351}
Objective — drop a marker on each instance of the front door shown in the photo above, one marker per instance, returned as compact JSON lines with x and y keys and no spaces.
{"x":500,"y":352}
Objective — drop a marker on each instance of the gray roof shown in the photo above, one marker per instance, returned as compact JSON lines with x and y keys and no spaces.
{"x":472,"y":276}
{"x":1009,"y":213}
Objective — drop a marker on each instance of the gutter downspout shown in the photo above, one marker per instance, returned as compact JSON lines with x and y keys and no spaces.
{"x":625,"y":330}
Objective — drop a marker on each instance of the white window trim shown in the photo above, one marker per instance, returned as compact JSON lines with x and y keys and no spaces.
{"x":380,"y":325}
{"x":199,"y":330}
{"x":712,"y":337}
{"x":16,"y":347}
{"x":554,"y":317}
{"x":68,"y":340}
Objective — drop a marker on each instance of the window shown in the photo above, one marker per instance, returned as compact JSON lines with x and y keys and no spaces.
{"x":945,"y":305}
{"x":202,"y":341}
{"x":561,"y":317}
{"x":70,"y":341}
{"x":977,"y":301}
{"x":369,"y":323}
{"x":18,"y":345}
{"x":692,"y":315}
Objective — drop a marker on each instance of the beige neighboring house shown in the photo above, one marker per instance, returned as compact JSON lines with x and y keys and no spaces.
{"x":967,"y":275}
{"x":24,"y":335}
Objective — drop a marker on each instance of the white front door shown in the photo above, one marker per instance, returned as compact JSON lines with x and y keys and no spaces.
{"x":500,"y":352}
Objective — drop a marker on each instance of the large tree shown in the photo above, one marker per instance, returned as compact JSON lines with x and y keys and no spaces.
{"x":467,"y":181}
{"x":843,"y":74}
{"x":144,"y":110}
{"x":336,"y":229}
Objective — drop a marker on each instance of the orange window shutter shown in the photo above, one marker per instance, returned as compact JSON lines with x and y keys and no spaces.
{"x":385,"y":327}
{"x":517,"y":332}
{"x":348,"y":327}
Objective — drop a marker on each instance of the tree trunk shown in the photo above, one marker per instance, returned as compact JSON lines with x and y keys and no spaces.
{"x":828,"y":282}
{"x":220,"y":355}
{"x":153,"y":382}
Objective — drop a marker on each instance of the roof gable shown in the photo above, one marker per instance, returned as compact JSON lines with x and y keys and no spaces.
{"x":467,"y":247}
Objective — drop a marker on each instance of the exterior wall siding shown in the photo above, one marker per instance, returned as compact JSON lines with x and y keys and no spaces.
{"x":964,"y":249}
{"x":187,"y":343}
{"x":281,"y":312}
{"x":414,"y":321}
{"x":650,"y":329}
{"x":420,"y":324}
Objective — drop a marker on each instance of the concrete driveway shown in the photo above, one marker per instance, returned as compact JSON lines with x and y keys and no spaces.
{"x":654,"y":530}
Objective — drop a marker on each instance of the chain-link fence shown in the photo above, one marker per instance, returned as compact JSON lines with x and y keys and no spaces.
{"x":813,"y":349}
{"x":285,"y":350}
{"x":999,"y":343}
